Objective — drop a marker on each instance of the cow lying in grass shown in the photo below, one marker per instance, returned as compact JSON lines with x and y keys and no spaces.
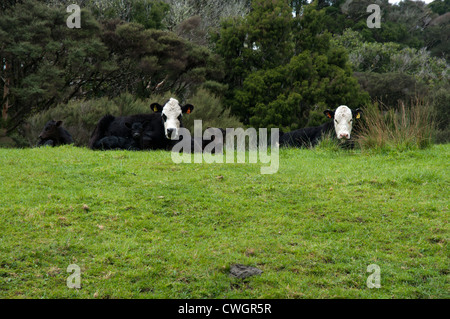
{"x":54,"y":134}
{"x":160,"y":129}
{"x":133,"y":143}
{"x":341,"y":126}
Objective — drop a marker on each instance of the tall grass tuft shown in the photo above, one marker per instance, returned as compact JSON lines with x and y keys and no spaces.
{"x":328,"y":143}
{"x":407,"y":128}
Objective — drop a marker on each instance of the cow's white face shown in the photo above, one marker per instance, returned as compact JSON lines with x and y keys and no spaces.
{"x":171,"y":114}
{"x":343,"y":122}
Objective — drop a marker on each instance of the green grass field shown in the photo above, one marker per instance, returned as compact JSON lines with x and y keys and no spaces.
{"x":140,"y":226}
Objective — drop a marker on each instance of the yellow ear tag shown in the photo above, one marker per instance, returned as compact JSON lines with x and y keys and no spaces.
{"x":358,"y":115}
{"x":155,"y":109}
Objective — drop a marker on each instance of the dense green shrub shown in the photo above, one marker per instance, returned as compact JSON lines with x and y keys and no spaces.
{"x":6,"y":141}
{"x":284,"y":96}
{"x":209,"y":109}
{"x":440,"y":6}
{"x":280,"y":67}
{"x":43,"y":62}
{"x":440,"y":101}
{"x":391,"y":88}
{"x":392,"y":57}
{"x":149,"y":13}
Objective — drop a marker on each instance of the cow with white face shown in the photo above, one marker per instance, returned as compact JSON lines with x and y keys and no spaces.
{"x":342,"y":126}
{"x":160,"y":130}
{"x":343,"y":120}
{"x":171,"y":114}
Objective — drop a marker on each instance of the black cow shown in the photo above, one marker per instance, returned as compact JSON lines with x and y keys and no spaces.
{"x":341,"y":126}
{"x":134,"y":143}
{"x":160,"y":128}
{"x":54,"y":134}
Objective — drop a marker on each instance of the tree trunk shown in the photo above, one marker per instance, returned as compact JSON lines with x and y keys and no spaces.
{"x":5,"y":105}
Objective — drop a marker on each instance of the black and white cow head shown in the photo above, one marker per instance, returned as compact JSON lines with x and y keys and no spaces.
{"x":343,"y":120}
{"x":171,"y":114}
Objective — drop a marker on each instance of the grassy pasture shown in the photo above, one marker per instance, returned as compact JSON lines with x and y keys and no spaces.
{"x":140,"y":226}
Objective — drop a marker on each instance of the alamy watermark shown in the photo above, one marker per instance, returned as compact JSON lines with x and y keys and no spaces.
{"x":374,"y":280}
{"x":74,"y":280}
{"x":256,"y":148}
{"x":374,"y":20}
{"x":74,"y":20}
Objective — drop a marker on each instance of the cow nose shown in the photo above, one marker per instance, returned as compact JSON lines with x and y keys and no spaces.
{"x":170,"y":132}
{"x":344,"y":135}
{"x":136,"y":135}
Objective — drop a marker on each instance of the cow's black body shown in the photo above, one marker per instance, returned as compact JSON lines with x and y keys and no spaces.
{"x":305,"y":137}
{"x":153,"y":136}
{"x":133,"y":143}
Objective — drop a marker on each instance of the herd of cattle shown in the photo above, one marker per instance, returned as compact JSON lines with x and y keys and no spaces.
{"x":160,"y":130}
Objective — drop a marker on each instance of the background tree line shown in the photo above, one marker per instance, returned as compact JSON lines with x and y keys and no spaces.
{"x":274,"y":63}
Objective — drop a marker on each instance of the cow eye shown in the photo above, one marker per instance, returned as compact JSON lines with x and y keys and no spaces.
{"x":180,"y":117}
{"x":336,"y":121}
{"x":164,"y":117}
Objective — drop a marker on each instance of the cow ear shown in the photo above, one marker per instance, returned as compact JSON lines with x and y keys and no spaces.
{"x":329,"y":113}
{"x":188,"y":108}
{"x":156,"y":107}
{"x":58,"y":123}
{"x":357,"y":113}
